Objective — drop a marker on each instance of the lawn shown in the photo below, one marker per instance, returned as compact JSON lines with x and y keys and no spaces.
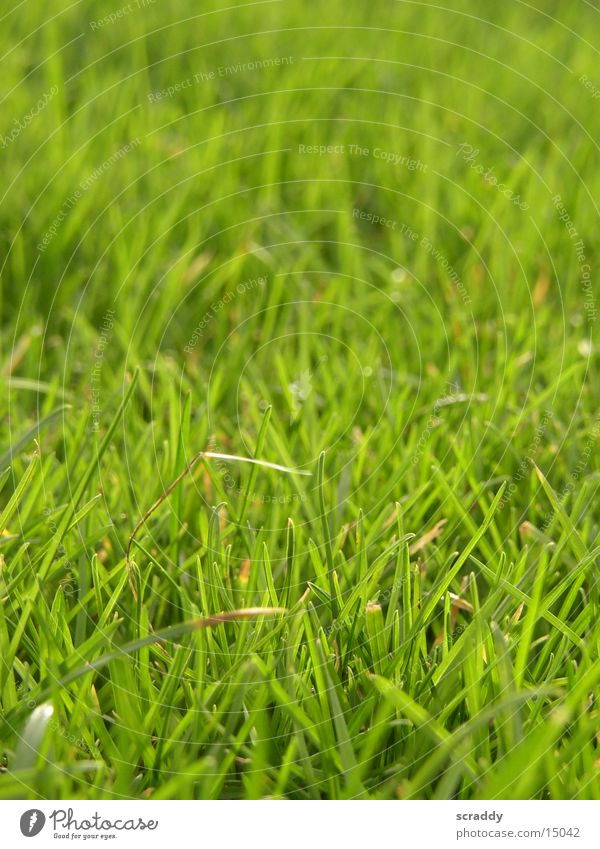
{"x":355,"y":244}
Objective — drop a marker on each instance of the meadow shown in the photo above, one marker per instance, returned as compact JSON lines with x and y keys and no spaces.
{"x":299,"y":452}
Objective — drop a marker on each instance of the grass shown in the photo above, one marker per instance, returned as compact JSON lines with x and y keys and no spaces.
{"x":417,"y":617}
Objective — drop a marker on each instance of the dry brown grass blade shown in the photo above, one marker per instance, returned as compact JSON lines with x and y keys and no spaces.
{"x":236,"y":615}
{"x":428,"y":537}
